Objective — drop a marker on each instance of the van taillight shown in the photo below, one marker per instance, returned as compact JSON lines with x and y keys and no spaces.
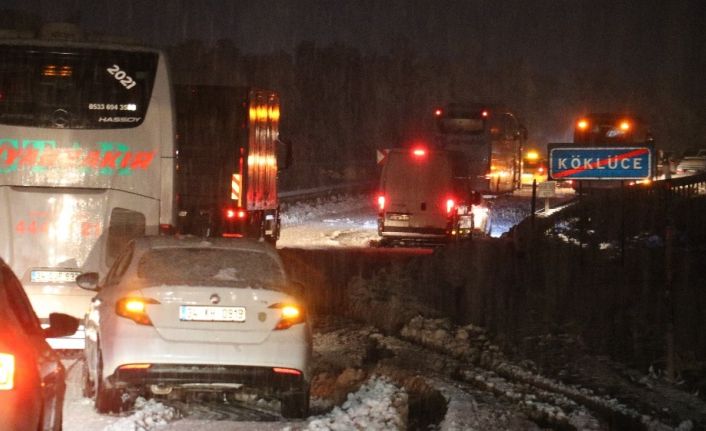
{"x":450,"y":205}
{"x":419,"y":152}
{"x":7,"y":371}
{"x":381,"y":202}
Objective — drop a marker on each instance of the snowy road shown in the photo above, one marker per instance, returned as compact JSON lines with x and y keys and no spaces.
{"x":432,"y":373}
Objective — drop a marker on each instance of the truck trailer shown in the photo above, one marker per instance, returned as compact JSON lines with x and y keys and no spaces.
{"x":227,"y":161}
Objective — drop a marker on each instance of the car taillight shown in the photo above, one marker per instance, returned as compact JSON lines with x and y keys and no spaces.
{"x":7,"y":371}
{"x":292,"y":314}
{"x":166,"y":229}
{"x":381,"y":202}
{"x":135,"y":309}
{"x":291,"y":371}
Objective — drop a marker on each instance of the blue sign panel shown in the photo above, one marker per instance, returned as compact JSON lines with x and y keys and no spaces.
{"x":568,"y":161}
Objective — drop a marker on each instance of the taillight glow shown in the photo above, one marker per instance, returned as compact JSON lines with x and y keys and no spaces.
{"x":135,"y":366}
{"x":135,"y":309}
{"x":582,"y":124}
{"x":484,"y":114}
{"x":381,"y":202}
{"x":291,"y":314}
{"x":438,"y":112}
{"x":450,"y":205}
{"x":166,"y":229}
{"x":238,"y":213}
{"x":419,"y":152}
{"x":291,"y":371}
{"x":7,"y":371}
{"x":625,"y":125}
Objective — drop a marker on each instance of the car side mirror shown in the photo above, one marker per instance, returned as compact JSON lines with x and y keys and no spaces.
{"x":88,"y":281}
{"x":61,"y":325}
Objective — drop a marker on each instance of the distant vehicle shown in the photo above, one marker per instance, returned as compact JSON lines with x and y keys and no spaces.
{"x":426,"y":196}
{"x":614,"y":129}
{"x":691,"y":166}
{"x":534,"y":168}
{"x":227,"y":164}
{"x":611,"y":128}
{"x":86,"y":160}
{"x":491,"y":139}
{"x":180,"y":314}
{"x":32,"y":385}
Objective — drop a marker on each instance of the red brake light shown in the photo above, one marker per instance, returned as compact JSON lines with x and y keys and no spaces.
{"x":419,"y":152}
{"x":7,"y":371}
{"x":135,"y":309}
{"x":166,"y":229}
{"x":484,"y":114}
{"x":625,"y":125}
{"x":450,"y":205}
{"x":381,"y":202}
{"x":287,"y":371}
{"x":232,"y":213}
{"x":292,"y":314}
{"x":438,"y":112}
{"x":582,"y":124}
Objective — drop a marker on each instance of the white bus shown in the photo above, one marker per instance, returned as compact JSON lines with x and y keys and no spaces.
{"x":86,"y":161}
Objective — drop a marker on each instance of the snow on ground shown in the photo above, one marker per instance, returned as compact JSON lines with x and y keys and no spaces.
{"x":351,"y":221}
{"x":342,"y":221}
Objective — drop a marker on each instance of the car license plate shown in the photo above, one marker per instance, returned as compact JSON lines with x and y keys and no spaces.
{"x":48,"y":276}
{"x":201,"y":313}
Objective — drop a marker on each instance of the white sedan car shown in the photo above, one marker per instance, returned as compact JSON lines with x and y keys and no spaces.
{"x":179,"y":314}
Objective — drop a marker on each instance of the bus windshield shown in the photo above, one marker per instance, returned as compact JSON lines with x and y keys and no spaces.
{"x":74,"y":88}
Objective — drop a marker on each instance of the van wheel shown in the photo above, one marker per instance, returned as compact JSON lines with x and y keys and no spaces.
{"x":295,"y":405}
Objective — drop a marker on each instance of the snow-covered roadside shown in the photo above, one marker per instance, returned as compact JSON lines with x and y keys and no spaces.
{"x":338,"y":221}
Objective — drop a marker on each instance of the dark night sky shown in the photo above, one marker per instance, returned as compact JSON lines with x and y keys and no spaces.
{"x":649,"y":46}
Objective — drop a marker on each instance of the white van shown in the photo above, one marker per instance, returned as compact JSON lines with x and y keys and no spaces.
{"x":425,"y":196}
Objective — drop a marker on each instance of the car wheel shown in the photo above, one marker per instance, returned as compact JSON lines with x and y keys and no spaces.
{"x":87,"y":387}
{"x":58,"y":414}
{"x":296,"y":404}
{"x":107,"y":400}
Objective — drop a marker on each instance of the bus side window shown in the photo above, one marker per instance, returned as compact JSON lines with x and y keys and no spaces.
{"x":124,"y":225}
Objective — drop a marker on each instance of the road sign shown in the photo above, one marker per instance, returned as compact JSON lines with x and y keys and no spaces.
{"x":546,"y":189}
{"x":569,"y":161}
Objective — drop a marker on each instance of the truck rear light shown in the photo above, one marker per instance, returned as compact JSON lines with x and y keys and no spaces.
{"x":381,"y":202}
{"x":135,"y":309}
{"x":236,"y":213}
{"x":7,"y":371}
{"x":292,"y":314}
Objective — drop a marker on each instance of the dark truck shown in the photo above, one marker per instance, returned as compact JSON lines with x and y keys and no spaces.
{"x":227,"y":161}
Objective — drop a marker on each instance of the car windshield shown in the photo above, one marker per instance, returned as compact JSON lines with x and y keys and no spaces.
{"x":210,"y":267}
